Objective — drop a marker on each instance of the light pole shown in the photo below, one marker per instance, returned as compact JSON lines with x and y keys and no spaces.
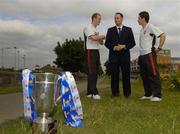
{"x":15,"y":58}
{"x":2,"y":56}
{"x":18,"y":59}
{"x":24,"y":61}
{"x":2,"y":66}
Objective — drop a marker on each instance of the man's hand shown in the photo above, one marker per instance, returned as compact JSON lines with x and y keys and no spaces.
{"x":101,"y":42}
{"x":116,"y":48}
{"x":119,"y":47}
{"x":103,"y":37}
{"x":158,"y":49}
{"x":96,"y":33}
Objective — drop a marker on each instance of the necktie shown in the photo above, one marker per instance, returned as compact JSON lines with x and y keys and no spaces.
{"x":119,"y":32}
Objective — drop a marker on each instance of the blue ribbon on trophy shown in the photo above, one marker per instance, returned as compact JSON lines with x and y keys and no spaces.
{"x":71,"y":104}
{"x":27,"y":85}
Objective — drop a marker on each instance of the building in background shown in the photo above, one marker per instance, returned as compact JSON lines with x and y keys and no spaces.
{"x":164,"y":61}
{"x":134,"y":69}
{"x":167,"y":64}
{"x":176,"y":64}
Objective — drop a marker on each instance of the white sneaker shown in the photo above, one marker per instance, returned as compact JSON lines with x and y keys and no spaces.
{"x":96,"y":97}
{"x":146,"y":98}
{"x":89,"y":96}
{"x":156,"y":99}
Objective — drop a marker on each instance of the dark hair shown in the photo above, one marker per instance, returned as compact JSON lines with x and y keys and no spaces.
{"x":144,"y":15}
{"x":118,"y":13}
{"x":95,"y":15}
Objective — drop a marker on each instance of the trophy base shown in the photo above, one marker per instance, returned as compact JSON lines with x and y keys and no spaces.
{"x":44,"y":126}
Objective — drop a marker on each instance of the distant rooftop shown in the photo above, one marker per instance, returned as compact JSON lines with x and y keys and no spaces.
{"x":175,"y":58}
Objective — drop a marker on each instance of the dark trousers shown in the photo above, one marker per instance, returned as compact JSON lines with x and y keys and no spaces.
{"x":150,"y":74}
{"x":125,"y":69}
{"x":93,"y":63}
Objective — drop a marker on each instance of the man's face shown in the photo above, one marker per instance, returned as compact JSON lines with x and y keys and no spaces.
{"x":118,"y":19}
{"x":97,"y":19}
{"x":140,"y":20}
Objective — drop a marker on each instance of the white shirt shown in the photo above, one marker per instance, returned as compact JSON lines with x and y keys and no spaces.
{"x":89,"y":31}
{"x":145,"y":40}
{"x":119,"y":27}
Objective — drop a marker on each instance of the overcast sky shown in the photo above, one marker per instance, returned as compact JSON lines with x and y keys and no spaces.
{"x":34,"y":26}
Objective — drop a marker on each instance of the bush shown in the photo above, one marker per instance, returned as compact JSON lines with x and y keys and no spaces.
{"x":171,"y":81}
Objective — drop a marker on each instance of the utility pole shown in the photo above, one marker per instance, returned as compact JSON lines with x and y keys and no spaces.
{"x":24,"y":61}
{"x":2,"y":56}
{"x":15,"y":58}
{"x":18,"y":59}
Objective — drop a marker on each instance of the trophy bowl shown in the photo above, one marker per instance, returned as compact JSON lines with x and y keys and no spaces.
{"x":44,"y":93}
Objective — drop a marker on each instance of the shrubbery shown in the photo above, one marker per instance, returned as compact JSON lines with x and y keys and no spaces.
{"x":171,"y":81}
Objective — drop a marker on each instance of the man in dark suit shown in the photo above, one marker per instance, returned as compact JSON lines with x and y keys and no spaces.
{"x":119,"y":41}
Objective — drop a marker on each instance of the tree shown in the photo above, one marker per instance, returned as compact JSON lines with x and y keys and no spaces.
{"x":100,"y":71}
{"x":70,"y":55}
{"x":108,"y":68}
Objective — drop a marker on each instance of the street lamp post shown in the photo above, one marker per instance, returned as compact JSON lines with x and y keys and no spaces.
{"x":15,"y":58}
{"x":24,"y":61}
{"x":2,"y":64}
{"x":18,"y":59}
{"x":2,"y":56}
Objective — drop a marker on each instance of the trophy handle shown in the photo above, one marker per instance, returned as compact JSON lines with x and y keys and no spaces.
{"x":33,"y":77}
{"x":55,"y":90}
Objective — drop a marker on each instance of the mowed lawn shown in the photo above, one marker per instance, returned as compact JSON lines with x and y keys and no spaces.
{"x":117,"y":115}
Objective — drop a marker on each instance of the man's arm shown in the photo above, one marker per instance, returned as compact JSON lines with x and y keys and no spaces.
{"x":110,"y":46}
{"x":162,"y":40}
{"x":108,"y":42}
{"x":93,"y":36}
{"x":156,"y":31}
{"x":132,"y":42}
{"x":129,"y":45}
{"x":97,"y":37}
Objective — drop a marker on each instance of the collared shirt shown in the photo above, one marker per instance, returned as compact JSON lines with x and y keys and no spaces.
{"x":145,"y":40}
{"x":119,"y":27}
{"x":89,"y":31}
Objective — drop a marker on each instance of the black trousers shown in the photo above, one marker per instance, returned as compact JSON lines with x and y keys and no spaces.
{"x":125,"y":69}
{"x":150,"y":74}
{"x":93,"y":63}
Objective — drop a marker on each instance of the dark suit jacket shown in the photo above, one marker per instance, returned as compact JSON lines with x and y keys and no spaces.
{"x":126,"y":38}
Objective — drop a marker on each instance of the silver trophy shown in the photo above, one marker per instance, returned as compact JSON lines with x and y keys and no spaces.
{"x":44,"y":95}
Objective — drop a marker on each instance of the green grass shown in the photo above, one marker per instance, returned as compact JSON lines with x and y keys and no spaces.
{"x":118,"y":115}
{"x":9,"y":90}
{"x":17,"y":89}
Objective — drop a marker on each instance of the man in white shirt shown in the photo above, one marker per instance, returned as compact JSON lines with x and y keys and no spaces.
{"x":148,"y":57}
{"x":92,"y":42}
